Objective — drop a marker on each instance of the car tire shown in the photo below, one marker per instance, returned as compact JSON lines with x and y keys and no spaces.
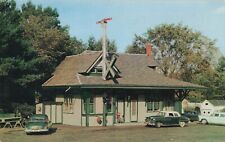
{"x":157,"y":124}
{"x":204,"y":121}
{"x":182,"y":124}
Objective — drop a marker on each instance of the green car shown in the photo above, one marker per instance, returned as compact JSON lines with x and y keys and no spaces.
{"x":167,"y":118}
{"x":192,"y":115}
{"x":38,"y":123}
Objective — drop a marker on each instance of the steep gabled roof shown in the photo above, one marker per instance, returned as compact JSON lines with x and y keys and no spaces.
{"x":217,"y":102}
{"x":135,"y":70}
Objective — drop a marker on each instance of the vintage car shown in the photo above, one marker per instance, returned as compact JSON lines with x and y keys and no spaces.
{"x":38,"y":123}
{"x":167,"y":118}
{"x":215,"y":118}
{"x":192,"y":115}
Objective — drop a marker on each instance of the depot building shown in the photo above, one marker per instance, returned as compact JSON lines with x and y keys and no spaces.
{"x":126,"y":92}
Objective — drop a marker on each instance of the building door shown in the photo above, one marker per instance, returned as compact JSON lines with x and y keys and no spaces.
{"x":134,"y":109}
{"x":59,"y":114}
{"x":47,"y":111}
{"x":120,"y":111}
{"x":54,"y":112}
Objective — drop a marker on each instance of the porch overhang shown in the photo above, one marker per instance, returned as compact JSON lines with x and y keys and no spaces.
{"x":110,"y":86}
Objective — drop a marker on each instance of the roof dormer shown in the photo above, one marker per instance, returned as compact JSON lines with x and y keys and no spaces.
{"x":96,"y":68}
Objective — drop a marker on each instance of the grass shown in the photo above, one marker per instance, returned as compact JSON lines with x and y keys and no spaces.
{"x":64,"y":133}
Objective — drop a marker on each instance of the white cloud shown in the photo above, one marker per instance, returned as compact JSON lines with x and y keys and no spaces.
{"x":220,"y":10}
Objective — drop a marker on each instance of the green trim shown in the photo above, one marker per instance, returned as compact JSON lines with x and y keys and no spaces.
{"x":139,"y":87}
{"x":104,"y":114}
{"x":124,"y":109}
{"x":178,"y":106}
{"x":114,"y":109}
{"x":84,"y":112}
{"x":137,"y":107}
{"x":81,"y":111}
{"x":62,"y":113}
{"x":129,"y":102}
{"x":86,"y":97}
{"x":87,"y":111}
{"x":154,"y":105}
{"x":56,"y":114}
{"x":102,"y":86}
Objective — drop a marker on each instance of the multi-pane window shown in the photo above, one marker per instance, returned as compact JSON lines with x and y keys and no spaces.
{"x":90,"y":106}
{"x":152,"y":103}
{"x":68,"y":105}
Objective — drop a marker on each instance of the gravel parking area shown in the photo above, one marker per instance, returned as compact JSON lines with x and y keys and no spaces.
{"x":64,"y":133}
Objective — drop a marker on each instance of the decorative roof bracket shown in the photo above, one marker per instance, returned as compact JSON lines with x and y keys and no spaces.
{"x":110,"y":71}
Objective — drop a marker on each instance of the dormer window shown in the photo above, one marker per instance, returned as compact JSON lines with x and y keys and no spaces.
{"x":96,"y":70}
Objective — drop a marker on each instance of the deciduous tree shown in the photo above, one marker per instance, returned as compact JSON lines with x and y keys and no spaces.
{"x":180,"y":51}
{"x":32,"y":43}
{"x":97,"y":45}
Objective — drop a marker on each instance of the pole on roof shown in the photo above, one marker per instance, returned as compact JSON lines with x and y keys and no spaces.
{"x":103,"y":23}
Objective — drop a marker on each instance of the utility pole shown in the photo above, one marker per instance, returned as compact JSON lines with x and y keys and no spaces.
{"x":103,"y":23}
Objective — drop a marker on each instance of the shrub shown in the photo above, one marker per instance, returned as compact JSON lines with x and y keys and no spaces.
{"x":24,"y":110}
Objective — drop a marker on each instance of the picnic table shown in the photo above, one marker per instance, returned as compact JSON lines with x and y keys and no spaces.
{"x":9,"y":120}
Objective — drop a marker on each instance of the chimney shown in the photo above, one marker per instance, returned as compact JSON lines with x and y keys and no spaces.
{"x":148,"y":49}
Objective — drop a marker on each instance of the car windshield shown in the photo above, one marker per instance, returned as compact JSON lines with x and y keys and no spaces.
{"x":38,"y":119}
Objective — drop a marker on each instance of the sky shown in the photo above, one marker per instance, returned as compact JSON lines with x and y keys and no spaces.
{"x":130,"y":17}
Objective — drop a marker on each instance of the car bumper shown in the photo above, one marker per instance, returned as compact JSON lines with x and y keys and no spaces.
{"x":150,"y":123}
{"x":36,"y":131}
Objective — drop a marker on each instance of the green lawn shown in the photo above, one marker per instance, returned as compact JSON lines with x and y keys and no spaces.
{"x":191,"y":133}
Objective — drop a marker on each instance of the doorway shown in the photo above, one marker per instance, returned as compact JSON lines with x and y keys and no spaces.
{"x":134,"y":109}
{"x":120,"y":111}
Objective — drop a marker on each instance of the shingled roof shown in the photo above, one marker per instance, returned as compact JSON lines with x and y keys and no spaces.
{"x":136,"y":72}
{"x":217,"y":102}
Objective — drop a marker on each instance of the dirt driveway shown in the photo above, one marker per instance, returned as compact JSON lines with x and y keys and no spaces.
{"x":64,"y":133}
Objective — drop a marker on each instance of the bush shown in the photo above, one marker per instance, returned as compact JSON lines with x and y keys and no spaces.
{"x":24,"y":110}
